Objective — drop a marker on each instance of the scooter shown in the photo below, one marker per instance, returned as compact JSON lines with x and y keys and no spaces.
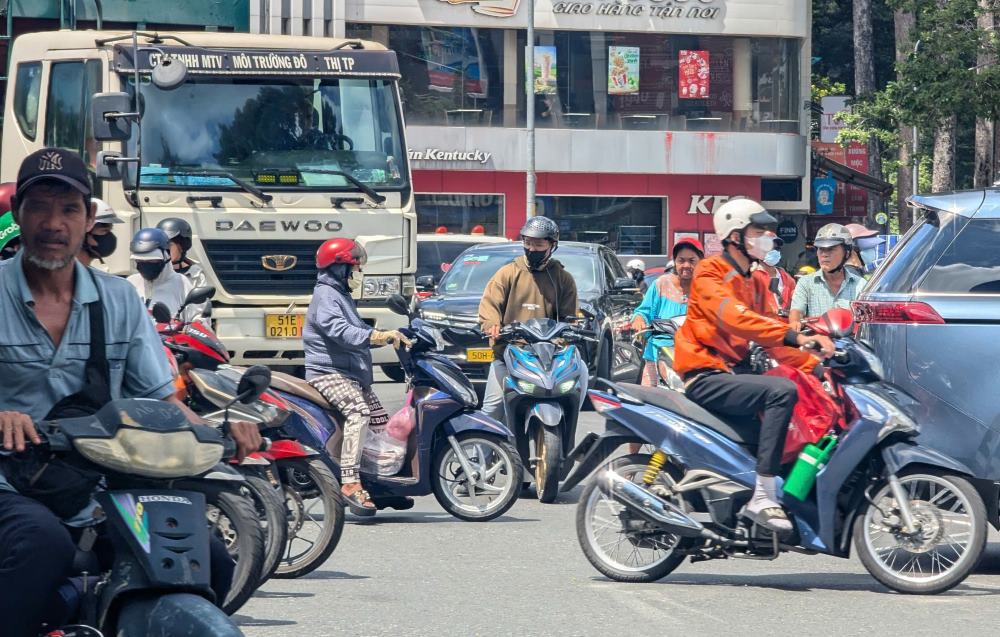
{"x":466,"y":459}
{"x":159,"y":577}
{"x":543,"y":394}
{"x":917,"y":519}
{"x":661,"y":333}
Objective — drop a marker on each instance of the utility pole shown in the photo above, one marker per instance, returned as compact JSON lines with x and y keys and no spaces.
{"x":529,"y":59}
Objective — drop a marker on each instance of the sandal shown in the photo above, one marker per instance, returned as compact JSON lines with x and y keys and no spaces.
{"x":359,"y":502}
{"x":773,"y":519}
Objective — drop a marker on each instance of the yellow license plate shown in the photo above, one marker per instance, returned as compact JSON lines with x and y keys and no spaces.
{"x":479,"y":355}
{"x":283,"y":325}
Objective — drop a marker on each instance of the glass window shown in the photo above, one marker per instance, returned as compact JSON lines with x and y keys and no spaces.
{"x":654,"y":81}
{"x":27,"y":89}
{"x":64,"y":113}
{"x":916,"y":251}
{"x":971,"y":264}
{"x":627,"y":225}
{"x":471,"y":273}
{"x":460,"y":214}
{"x":276,"y":132}
{"x":435,"y":257}
{"x":451,"y":75}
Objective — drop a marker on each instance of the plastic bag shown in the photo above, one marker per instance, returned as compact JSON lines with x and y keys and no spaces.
{"x":815,"y":413}
{"x":385,"y":444}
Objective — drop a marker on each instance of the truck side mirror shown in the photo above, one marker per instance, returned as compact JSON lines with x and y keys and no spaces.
{"x":111,"y":116}
{"x":109,"y":168}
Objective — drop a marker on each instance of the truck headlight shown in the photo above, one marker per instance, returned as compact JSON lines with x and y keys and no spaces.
{"x":376,"y":287}
{"x":174,"y":454}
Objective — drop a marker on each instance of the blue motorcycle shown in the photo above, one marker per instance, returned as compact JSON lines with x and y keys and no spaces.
{"x":916,"y":516}
{"x":466,"y":459}
{"x":543,"y":393}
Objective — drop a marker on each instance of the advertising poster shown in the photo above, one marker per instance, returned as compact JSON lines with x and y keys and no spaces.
{"x":695,"y":72}
{"x":824,"y":192}
{"x":623,"y":70}
{"x":713,"y":244}
{"x":545,"y":70}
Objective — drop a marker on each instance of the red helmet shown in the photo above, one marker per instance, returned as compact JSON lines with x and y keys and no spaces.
{"x":689,"y":242}
{"x":6,"y":194}
{"x":340,"y":250}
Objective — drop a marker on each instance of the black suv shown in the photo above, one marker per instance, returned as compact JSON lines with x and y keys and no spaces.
{"x":601,"y":283}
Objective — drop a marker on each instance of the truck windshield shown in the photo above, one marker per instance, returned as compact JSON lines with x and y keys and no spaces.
{"x":272,"y":132}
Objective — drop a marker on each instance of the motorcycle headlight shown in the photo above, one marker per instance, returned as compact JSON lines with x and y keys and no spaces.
{"x":892,"y":418}
{"x":526,"y":387}
{"x":567,"y":386}
{"x":374,"y":287}
{"x":174,"y":454}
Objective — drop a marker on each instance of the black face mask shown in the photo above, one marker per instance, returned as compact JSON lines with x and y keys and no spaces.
{"x":536,"y":259}
{"x":149,"y":270}
{"x":105,"y":245}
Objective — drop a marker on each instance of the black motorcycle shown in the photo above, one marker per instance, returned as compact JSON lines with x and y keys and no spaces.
{"x":157,"y":580}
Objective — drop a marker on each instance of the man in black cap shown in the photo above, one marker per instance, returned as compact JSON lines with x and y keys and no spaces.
{"x":72,"y":340}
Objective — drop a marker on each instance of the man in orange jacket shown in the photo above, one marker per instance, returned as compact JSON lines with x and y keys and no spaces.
{"x":726,"y":312}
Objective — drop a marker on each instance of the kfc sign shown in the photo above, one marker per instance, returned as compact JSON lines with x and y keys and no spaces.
{"x":707,"y":204}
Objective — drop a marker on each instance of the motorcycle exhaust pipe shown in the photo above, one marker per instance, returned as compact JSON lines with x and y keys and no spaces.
{"x":654,"y":508}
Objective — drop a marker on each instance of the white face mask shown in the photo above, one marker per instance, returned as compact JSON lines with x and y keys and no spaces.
{"x":758,"y":247}
{"x":354,"y":281}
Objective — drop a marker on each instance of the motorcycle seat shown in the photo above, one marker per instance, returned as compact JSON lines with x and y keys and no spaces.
{"x":744,"y":431}
{"x":297,"y":387}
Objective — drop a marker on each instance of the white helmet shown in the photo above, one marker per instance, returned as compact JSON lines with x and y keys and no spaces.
{"x":737,"y":214}
{"x":834,"y":234}
{"x":636,"y":264}
{"x":105,"y":213}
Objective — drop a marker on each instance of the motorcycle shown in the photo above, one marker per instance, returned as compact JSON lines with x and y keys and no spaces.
{"x":543,"y":394}
{"x":917,"y":520}
{"x":466,"y":459}
{"x":159,"y":578}
{"x":661,"y":332}
{"x":305,"y":535}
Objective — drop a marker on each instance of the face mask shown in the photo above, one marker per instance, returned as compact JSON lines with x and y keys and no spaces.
{"x":536,"y":259}
{"x":772,"y":258}
{"x":354,"y":280}
{"x":758,"y":247}
{"x":105,"y":245}
{"x":149,"y":270}
{"x":869,"y":255}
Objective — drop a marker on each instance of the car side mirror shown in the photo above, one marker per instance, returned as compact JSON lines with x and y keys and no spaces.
{"x":624,"y":283}
{"x":425,"y":283}
{"x":588,"y":311}
{"x":160,"y":312}
{"x":199,"y":295}
{"x":253,"y":383}
{"x":398,"y":305}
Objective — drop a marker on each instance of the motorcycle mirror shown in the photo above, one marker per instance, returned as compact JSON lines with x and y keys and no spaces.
{"x":587,"y":310}
{"x":160,"y":312}
{"x":253,"y":383}
{"x":199,"y":295}
{"x":398,"y":305}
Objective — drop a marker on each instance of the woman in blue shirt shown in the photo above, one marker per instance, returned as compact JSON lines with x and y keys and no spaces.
{"x":667,"y":298}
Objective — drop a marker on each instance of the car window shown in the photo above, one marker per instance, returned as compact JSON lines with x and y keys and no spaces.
{"x":431,"y":255}
{"x":913,"y":256}
{"x":471,"y":273}
{"x":971,"y":263}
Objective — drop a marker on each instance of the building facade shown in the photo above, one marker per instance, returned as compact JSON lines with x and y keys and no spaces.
{"x":649,"y":113}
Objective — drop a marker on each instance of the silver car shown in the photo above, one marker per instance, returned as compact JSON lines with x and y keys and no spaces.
{"x":932,"y":313}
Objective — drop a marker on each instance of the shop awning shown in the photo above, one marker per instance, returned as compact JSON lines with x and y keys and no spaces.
{"x":840,"y":172}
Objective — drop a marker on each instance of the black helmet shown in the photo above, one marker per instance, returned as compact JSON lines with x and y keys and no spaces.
{"x":177,"y":230}
{"x":149,"y":240}
{"x":541,"y":228}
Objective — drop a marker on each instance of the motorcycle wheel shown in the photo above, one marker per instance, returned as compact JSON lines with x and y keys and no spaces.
{"x":948,"y":546}
{"x":494,"y":460}
{"x":634,"y":551}
{"x":312,"y":535}
{"x":548,"y":450}
{"x":232,"y":515}
{"x":173,"y":616}
{"x":273,"y":515}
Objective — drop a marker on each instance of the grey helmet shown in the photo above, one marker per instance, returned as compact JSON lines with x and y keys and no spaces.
{"x":541,"y":228}
{"x":834,"y":234}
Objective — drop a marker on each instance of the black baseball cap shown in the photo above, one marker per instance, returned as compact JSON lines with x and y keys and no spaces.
{"x":57,"y":164}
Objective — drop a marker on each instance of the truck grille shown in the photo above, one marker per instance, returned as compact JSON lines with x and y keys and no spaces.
{"x":239,"y":266}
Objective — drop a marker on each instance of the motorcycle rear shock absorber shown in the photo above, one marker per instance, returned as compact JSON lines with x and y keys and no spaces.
{"x":653,"y":468}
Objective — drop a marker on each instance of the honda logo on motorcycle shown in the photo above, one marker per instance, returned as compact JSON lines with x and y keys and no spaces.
{"x":278,"y":262}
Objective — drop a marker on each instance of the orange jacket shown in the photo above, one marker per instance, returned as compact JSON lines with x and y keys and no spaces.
{"x":726,"y":310}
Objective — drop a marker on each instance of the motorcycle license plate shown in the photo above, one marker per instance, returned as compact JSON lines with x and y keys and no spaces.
{"x":284,"y":325}
{"x":479,"y":355}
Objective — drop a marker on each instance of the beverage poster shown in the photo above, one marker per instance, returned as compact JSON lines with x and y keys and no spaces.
{"x":623,"y":70}
{"x":694,"y":73}
{"x":545,"y":70}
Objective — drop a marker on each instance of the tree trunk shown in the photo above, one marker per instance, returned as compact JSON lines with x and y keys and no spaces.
{"x":944,"y":155}
{"x":904,"y":23}
{"x":982,"y":176}
{"x":864,"y":84}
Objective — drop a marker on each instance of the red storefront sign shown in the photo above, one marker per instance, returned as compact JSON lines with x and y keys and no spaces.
{"x":851,"y":201}
{"x":694,"y":74}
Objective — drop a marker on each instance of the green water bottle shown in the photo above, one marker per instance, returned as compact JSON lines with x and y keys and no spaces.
{"x":812,"y":458}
